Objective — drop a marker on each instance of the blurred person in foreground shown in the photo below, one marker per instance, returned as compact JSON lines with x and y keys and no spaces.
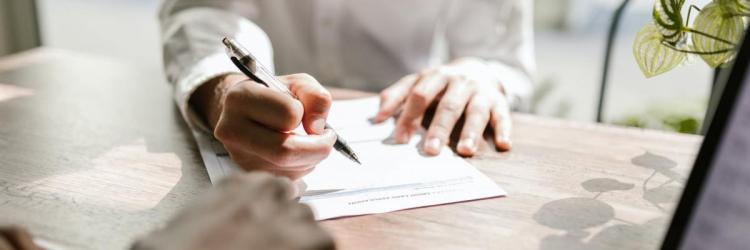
{"x":244,"y":211}
{"x":467,"y":58}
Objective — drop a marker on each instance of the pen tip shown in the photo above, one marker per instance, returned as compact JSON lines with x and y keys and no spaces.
{"x":356,"y":159}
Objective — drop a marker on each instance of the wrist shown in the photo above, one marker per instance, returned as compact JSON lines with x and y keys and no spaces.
{"x":207,"y":100}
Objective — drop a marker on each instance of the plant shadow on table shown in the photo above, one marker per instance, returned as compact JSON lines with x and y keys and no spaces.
{"x":578,"y":217}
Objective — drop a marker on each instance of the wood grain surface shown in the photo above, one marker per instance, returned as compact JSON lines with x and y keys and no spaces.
{"x":93,"y":153}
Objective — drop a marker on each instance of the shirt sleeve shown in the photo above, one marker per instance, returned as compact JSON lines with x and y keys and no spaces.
{"x":191,"y":34}
{"x":501,"y":33}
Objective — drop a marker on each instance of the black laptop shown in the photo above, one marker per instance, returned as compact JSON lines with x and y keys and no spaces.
{"x":714,"y":211}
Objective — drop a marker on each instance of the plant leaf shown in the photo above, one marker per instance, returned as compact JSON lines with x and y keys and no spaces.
{"x":716,"y":20}
{"x":652,"y":55}
{"x":668,"y":18}
{"x":743,"y":6}
{"x":736,"y":7}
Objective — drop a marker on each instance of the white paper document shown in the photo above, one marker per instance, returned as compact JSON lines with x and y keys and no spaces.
{"x":392,"y":177}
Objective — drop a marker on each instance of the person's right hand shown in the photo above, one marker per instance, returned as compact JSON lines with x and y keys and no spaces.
{"x":245,"y":211}
{"x":255,"y":123}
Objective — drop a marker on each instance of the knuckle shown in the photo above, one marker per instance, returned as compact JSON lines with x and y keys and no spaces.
{"x":291,"y":115}
{"x":323,"y":96}
{"x":480,"y":104}
{"x":451,"y":106}
{"x":222,"y":133}
{"x":419,"y":95}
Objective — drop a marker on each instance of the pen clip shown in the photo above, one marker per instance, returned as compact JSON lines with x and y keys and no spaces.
{"x":247,"y":71}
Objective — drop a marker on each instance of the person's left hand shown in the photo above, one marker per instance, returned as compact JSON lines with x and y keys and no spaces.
{"x":462,"y":87}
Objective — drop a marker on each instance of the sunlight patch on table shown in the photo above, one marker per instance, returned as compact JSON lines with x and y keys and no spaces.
{"x":127,"y":177}
{"x":9,"y":92}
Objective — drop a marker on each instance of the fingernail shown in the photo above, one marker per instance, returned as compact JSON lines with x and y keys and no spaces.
{"x":433,"y":145}
{"x":318,"y":126}
{"x":468,"y":144}
{"x":503,"y":145}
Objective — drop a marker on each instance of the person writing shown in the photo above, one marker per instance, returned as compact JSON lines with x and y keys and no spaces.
{"x":469,"y":58}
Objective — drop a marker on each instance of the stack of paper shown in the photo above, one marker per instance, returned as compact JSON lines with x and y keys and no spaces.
{"x":392,"y":177}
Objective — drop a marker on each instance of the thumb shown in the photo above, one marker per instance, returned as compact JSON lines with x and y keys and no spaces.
{"x":315,"y":99}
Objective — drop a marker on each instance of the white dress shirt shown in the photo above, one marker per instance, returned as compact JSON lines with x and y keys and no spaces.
{"x":358,"y":44}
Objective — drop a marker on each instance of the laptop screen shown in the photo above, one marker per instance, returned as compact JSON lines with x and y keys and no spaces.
{"x":721,"y":215}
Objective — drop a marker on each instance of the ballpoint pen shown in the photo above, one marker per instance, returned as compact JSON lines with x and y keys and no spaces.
{"x":249,"y":65}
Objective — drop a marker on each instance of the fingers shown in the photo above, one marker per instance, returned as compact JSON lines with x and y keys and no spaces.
{"x":272,"y":109}
{"x":501,"y":124}
{"x":315,"y":99}
{"x":281,"y":149}
{"x":477,"y":117}
{"x":255,"y":123}
{"x":422,"y":95}
{"x":449,"y":110}
{"x":394,"y":96}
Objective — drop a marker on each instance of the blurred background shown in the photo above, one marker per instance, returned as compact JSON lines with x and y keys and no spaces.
{"x":570,"y":44}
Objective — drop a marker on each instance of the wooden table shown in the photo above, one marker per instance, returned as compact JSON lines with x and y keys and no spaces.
{"x":94,"y":153}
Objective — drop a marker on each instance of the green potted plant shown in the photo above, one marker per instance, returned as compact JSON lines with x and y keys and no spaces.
{"x":668,"y":40}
